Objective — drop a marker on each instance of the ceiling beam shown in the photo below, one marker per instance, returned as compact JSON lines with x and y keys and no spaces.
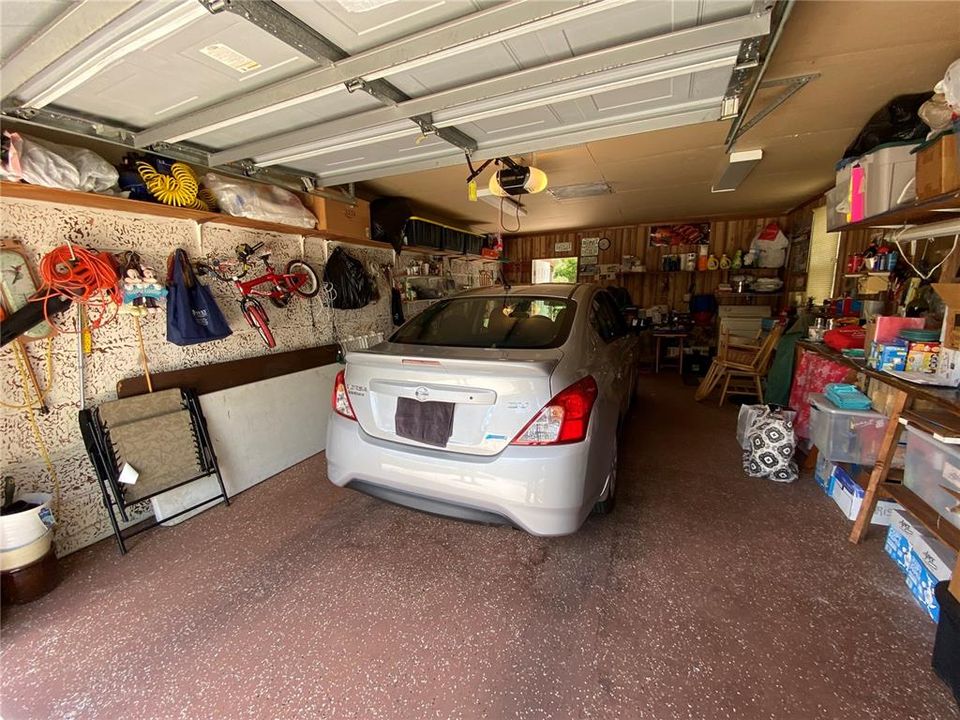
{"x":498,"y":23}
{"x":681,"y":41}
{"x":70,"y":29}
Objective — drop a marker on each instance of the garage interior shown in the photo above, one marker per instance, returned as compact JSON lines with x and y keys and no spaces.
{"x":768,"y":189}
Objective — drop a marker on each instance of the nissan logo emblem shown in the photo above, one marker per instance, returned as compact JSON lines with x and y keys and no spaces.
{"x":422,"y":394}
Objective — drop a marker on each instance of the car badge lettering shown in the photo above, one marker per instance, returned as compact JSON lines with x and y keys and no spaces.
{"x":422,"y":394}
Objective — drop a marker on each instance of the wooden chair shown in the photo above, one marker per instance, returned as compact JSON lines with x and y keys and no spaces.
{"x":740,"y":367}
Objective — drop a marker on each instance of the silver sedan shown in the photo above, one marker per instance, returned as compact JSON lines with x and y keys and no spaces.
{"x":496,"y":405}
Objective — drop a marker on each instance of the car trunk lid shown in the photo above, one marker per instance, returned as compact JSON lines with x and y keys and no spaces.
{"x":494,"y":393}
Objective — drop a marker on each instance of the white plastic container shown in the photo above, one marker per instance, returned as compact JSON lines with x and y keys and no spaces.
{"x":852,"y":436}
{"x":23,"y":528}
{"x":25,"y":554}
{"x":931,"y":467}
{"x":837,"y":206}
{"x":889,"y":176}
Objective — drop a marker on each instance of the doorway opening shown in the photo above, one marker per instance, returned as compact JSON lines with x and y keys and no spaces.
{"x":555,"y":270}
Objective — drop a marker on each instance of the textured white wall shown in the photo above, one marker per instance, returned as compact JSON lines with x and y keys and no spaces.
{"x":43,"y":226}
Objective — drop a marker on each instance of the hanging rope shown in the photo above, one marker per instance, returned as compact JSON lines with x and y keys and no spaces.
{"x":47,"y":385}
{"x":29,"y":403}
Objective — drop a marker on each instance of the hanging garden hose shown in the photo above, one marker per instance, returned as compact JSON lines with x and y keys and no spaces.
{"x":179,"y":188}
{"x":85,"y":277}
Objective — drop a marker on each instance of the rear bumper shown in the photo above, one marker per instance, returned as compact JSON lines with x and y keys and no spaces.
{"x":538,"y":489}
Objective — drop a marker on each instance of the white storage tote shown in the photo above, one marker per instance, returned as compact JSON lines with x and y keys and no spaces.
{"x":852,"y":436}
{"x":932,"y":467}
{"x":889,"y":175}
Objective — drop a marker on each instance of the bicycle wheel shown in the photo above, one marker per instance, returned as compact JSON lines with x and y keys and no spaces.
{"x":257,"y":317}
{"x":310,"y":286}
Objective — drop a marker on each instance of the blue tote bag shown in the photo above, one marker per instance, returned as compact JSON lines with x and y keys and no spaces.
{"x":192,"y":313}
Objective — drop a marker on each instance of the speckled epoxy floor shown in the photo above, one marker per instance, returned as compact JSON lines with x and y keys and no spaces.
{"x":705,"y":595}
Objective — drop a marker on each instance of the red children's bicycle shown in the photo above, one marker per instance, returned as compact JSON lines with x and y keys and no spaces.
{"x":299,"y":279}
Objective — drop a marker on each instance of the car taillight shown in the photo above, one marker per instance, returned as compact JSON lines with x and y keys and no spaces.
{"x":341,"y":401}
{"x":564,"y":419}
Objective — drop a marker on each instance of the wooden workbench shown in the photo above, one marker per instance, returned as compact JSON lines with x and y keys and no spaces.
{"x":945,"y":419}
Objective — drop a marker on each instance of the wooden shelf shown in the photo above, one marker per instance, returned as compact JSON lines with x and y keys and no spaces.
{"x":939,"y":423}
{"x":139,"y":207}
{"x":915,"y":213}
{"x":868,"y":274}
{"x":930,"y":518}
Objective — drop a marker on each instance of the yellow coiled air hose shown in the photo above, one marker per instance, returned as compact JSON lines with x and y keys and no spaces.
{"x":179,"y":188}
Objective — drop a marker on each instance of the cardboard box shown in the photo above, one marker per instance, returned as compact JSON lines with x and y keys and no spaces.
{"x":938,"y":169}
{"x":950,"y":293}
{"x":923,"y":357}
{"x":888,"y":356}
{"x":823,"y":474}
{"x":848,"y":496}
{"x":948,"y":367}
{"x":897,"y":547}
{"x":922,"y":558}
{"x":340,"y":219}
{"x":928,"y":566}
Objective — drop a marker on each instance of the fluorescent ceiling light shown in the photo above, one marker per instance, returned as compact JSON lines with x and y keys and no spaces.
{"x":580,"y":190}
{"x":132,"y":31}
{"x":740,"y":165}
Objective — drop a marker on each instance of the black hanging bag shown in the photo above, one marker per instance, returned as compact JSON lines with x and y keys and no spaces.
{"x":352,"y":286}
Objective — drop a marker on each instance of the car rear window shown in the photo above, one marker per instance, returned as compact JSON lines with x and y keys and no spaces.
{"x":483,"y":322}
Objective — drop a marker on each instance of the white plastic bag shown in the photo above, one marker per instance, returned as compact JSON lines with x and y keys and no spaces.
{"x":770,"y":247}
{"x":40,"y":162}
{"x":749,"y":413}
{"x":259,"y":202}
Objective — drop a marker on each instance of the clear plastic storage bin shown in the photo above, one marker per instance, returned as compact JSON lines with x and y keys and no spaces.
{"x":852,"y":436}
{"x":932,"y":467}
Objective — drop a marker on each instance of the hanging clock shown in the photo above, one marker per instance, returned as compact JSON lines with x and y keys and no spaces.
{"x":17,"y":284}
{"x":604,"y":243}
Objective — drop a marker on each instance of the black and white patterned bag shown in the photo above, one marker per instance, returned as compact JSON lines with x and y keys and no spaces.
{"x":770,"y":443}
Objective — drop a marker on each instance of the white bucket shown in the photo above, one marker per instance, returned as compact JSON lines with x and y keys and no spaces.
{"x":26,"y":554}
{"x":23,"y":528}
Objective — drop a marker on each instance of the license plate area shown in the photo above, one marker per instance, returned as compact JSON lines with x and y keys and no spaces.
{"x":430,"y":423}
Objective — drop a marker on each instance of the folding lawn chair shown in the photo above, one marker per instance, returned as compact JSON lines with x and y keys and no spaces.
{"x":163,"y":437}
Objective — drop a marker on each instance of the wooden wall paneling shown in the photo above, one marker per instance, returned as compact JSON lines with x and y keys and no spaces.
{"x":653,"y":287}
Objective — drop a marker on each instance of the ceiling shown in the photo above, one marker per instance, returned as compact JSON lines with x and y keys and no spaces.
{"x":865,"y":52}
{"x":390,"y":92}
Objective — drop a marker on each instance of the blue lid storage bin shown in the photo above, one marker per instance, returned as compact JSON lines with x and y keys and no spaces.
{"x":852,"y":436}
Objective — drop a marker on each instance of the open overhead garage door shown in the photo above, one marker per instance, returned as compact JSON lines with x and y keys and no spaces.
{"x":348,"y":90}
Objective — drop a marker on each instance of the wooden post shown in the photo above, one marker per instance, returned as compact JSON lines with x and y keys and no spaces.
{"x":887,"y":448}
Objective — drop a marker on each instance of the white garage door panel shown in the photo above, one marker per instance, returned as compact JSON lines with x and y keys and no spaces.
{"x":259,"y":430}
{"x":356,"y":25}
{"x":328,"y":107}
{"x":21,"y":20}
{"x":379,"y":154}
{"x":173,"y":69}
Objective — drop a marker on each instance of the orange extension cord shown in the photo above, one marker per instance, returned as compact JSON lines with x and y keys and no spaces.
{"x":86,"y":277}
